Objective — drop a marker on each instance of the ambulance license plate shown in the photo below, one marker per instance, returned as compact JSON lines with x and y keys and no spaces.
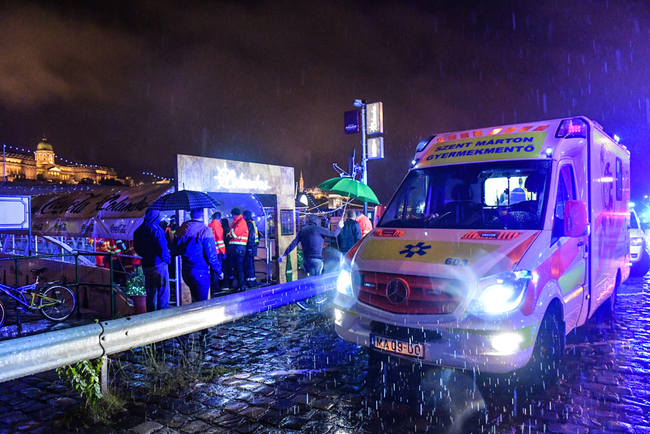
{"x":394,"y":346}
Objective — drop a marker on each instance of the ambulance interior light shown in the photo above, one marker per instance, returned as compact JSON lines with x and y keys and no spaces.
{"x":572,"y":128}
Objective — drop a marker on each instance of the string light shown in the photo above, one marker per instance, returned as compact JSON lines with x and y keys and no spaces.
{"x":157,"y":176}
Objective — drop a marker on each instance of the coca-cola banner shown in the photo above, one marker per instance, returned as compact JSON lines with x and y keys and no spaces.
{"x":111,"y":213}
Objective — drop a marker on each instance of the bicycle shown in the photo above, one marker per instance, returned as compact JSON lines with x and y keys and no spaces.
{"x":55,"y":302}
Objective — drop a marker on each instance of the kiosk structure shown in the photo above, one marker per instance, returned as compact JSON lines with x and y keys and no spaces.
{"x":268,"y":188}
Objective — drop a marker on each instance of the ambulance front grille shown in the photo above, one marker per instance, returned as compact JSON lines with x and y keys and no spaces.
{"x":425,"y":295}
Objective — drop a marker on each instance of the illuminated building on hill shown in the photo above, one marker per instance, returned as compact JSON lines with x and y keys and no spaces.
{"x":41,"y":166}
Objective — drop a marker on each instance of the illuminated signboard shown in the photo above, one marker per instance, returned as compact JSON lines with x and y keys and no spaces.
{"x":375,"y":118}
{"x":375,"y":148}
{"x":228,"y":179}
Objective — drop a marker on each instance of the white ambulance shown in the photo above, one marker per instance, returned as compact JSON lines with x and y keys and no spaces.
{"x":498,"y":242}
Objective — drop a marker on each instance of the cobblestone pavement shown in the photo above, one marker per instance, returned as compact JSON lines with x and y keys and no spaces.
{"x":288,"y":372}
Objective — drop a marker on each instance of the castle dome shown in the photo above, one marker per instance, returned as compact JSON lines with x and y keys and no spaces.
{"x":44,"y":146}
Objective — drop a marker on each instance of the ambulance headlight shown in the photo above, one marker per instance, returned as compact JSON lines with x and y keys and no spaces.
{"x":636,"y":241}
{"x":344,"y":282}
{"x":500,"y":293}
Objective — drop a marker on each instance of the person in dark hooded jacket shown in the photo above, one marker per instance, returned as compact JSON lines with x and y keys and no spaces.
{"x":193,"y":241}
{"x":311,"y":237}
{"x":149,"y":242}
{"x":350,"y":234}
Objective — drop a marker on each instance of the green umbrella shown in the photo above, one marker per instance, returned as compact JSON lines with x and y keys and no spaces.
{"x":349,"y":187}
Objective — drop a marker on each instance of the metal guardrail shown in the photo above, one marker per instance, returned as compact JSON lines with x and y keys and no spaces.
{"x":33,"y":354}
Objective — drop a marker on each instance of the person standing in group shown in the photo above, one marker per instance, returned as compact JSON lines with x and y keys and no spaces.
{"x":364,"y":223}
{"x":238,"y":238}
{"x":251,"y":249}
{"x":169,"y":232}
{"x":149,"y":242}
{"x":311,"y":237}
{"x":220,"y":245}
{"x":350,"y":233}
{"x":225,"y":224}
{"x":194,"y":242}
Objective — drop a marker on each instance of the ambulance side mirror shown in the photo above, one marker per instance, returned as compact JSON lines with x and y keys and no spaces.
{"x":576,"y":219}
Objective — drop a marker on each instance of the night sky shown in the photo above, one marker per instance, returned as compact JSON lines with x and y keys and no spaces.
{"x":128,"y":84}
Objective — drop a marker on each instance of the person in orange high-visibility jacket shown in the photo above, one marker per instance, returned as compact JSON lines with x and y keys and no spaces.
{"x":238,"y":236}
{"x":131,"y":260}
{"x":100,"y":247}
{"x":220,"y":244}
{"x":251,"y":249}
{"x":365,"y":223}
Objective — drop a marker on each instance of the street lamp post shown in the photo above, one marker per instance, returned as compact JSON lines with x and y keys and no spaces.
{"x":364,"y":146}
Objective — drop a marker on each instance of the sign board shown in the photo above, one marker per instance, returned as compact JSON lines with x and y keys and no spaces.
{"x":375,"y":118}
{"x":375,"y":148}
{"x":15,"y":213}
{"x":286,"y":222}
{"x":352,"y":122}
{"x":107,"y":213}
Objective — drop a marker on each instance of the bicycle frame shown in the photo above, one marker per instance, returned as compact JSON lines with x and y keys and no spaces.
{"x":19,"y":293}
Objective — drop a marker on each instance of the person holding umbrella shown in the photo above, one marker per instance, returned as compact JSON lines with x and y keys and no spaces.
{"x":194,"y":242}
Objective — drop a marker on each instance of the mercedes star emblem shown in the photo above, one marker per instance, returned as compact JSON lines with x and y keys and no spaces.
{"x":397,"y":291}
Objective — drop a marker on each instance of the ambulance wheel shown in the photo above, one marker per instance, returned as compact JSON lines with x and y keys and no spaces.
{"x":543,"y":367}
{"x":609,"y":307}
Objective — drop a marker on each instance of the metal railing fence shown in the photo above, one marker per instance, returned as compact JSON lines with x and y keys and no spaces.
{"x":33,"y":354}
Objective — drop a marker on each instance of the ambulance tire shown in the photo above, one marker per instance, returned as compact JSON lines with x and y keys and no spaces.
{"x":543,"y":367}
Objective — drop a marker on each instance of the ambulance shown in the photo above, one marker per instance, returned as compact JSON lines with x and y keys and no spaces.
{"x":498,"y":243}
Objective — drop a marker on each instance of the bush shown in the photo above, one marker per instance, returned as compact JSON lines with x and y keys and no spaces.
{"x":135,"y":283}
{"x":85,"y":378}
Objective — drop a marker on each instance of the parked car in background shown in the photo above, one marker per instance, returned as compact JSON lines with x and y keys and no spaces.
{"x":639,"y":256}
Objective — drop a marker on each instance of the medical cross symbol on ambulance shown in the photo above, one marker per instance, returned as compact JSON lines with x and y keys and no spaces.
{"x":411,"y":249}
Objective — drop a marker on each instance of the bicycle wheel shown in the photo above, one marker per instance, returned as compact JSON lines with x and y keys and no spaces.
{"x":2,"y":313}
{"x":57,"y":303}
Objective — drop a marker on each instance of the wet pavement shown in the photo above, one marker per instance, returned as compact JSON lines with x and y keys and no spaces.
{"x":286,"y":371}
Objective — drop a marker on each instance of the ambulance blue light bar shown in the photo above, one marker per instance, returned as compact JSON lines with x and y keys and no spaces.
{"x":572,"y":128}
{"x":423,"y":144}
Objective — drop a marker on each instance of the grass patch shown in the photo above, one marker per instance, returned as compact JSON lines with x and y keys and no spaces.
{"x":164,"y":369}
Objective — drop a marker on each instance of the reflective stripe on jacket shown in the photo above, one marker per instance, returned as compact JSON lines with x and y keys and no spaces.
{"x":254,"y":238}
{"x":239,"y":231}
{"x":217,"y":233}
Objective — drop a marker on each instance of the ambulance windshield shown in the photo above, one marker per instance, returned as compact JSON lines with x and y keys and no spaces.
{"x":490,"y":195}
